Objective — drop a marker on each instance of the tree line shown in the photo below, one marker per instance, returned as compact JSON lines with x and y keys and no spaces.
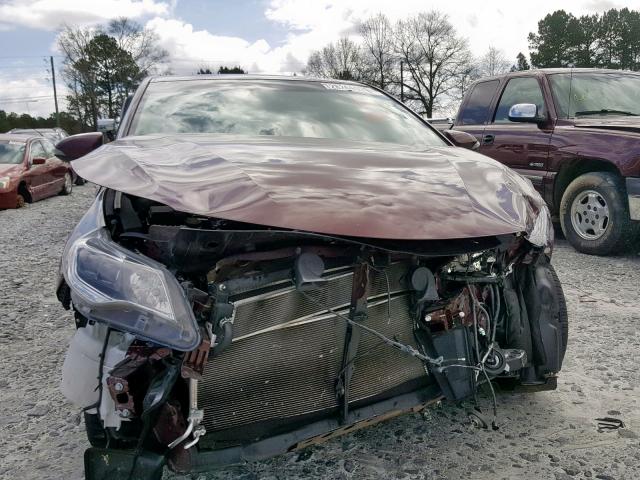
{"x":9,"y":120}
{"x":607,"y":40}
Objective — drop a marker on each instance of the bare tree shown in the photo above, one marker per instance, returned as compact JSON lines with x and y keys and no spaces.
{"x":494,"y":62}
{"x":436,"y":58}
{"x":377,"y":39}
{"x":342,"y":60}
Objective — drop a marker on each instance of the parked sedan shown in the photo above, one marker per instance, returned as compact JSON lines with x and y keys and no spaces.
{"x":272,"y":262}
{"x":30,"y":171}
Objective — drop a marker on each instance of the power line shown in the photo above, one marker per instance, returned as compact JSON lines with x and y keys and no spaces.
{"x":24,"y":99}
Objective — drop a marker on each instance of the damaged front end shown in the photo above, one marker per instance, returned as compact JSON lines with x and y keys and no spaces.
{"x":204,"y":341}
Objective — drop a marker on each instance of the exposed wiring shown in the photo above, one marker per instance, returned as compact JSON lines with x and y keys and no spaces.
{"x":481,"y":359}
{"x":408,"y":349}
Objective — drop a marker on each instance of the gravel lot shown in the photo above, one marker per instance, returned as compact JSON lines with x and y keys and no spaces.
{"x":548,"y":435}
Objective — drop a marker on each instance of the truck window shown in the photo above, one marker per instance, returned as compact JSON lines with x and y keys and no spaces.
{"x":476,"y":111}
{"x":519,"y":90}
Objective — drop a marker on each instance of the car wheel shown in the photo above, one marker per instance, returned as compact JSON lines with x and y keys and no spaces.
{"x":594,"y":214}
{"x":68,"y":184}
{"x":20,"y":202}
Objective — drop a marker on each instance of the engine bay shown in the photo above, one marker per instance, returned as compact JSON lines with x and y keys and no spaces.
{"x":297,"y":327}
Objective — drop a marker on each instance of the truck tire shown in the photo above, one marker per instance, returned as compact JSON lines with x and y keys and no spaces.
{"x":594,"y":214}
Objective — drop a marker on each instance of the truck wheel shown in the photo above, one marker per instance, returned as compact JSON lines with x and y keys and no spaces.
{"x":594,"y":214}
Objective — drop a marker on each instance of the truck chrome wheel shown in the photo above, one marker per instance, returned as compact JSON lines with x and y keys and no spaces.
{"x":589,"y":215}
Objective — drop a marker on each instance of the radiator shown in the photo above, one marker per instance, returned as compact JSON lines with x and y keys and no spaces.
{"x":287,"y":352}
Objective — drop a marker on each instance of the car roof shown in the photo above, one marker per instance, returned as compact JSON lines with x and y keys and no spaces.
{"x":17,"y":137}
{"x":551,"y":71}
{"x":246,"y":76}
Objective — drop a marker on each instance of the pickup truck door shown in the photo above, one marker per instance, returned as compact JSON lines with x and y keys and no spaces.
{"x":521,"y":146}
{"x":475,"y":110}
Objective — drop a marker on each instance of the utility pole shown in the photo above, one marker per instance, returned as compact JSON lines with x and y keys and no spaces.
{"x":55,"y":92}
{"x":401,"y":81}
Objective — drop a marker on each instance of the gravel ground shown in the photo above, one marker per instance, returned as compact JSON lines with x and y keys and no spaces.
{"x":546,"y":435}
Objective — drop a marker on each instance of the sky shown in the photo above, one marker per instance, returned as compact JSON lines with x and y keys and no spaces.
{"x":262,"y":36}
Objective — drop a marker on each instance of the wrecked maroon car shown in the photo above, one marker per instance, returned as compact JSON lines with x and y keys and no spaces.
{"x":272,"y":262}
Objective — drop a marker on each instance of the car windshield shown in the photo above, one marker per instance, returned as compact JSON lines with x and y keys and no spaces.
{"x":596,"y":94}
{"x":282,"y":108}
{"x":11,"y":152}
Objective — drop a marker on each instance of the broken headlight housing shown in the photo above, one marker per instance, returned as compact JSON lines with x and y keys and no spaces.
{"x":541,"y":235}
{"x":131,"y":292}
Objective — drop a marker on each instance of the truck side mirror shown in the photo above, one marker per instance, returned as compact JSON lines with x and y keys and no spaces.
{"x":77,"y":146}
{"x":525,"y":113}
{"x":462,"y":139}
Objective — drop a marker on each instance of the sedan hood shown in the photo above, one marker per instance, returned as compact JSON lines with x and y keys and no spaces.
{"x":8,"y":170}
{"x":324,"y":186}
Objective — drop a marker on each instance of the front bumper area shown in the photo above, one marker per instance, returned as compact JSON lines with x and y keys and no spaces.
{"x":8,"y":199}
{"x":633,"y":193}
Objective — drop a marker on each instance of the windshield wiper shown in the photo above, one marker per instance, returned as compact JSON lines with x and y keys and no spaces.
{"x":605,"y":110}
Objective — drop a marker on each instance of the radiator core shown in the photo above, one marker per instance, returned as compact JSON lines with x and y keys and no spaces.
{"x":287,"y":352}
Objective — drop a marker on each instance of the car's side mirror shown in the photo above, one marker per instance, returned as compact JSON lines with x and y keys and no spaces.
{"x":462,"y":139}
{"x":79,"y":145}
{"x":38,"y":161}
{"x":525,"y":113}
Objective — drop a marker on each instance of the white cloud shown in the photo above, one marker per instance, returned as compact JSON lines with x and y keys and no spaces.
{"x":51,"y":14}
{"x":24,"y":92}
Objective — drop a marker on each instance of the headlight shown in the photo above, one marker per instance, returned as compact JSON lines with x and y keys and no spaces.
{"x":4,"y":182}
{"x":129,"y":291}
{"x":541,"y":235}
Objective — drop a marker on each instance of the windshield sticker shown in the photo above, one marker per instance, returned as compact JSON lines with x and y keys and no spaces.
{"x":344,"y":87}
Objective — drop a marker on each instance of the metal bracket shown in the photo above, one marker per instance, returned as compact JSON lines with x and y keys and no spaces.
{"x":357,"y":313}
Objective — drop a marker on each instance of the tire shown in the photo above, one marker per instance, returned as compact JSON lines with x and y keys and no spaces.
{"x":594,"y":214}
{"x":67,"y":188}
{"x":563,"y":317}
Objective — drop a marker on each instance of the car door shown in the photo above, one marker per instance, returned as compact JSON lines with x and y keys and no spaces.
{"x":57,"y":169}
{"x":37,"y":175}
{"x":474,"y":112}
{"x":522,"y":146}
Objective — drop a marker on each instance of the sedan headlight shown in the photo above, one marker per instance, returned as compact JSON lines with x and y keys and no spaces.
{"x":4,"y":182}
{"x":129,"y":291}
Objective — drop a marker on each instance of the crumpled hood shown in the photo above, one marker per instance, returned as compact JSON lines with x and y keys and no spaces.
{"x":323,"y":186}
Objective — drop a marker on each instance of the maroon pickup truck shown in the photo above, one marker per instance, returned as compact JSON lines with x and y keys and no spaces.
{"x":575,"y":133}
